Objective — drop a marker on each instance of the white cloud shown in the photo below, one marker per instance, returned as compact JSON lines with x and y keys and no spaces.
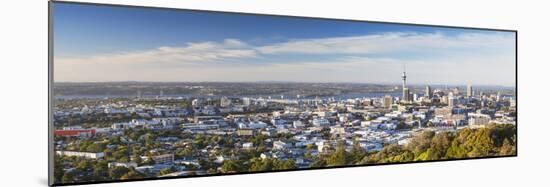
{"x":391,"y":42}
{"x":137,"y":65}
{"x":469,"y":58}
{"x":191,"y":53}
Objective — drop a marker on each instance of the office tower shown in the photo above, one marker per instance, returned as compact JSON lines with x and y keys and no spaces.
{"x":469,"y":91}
{"x":404,"y":77}
{"x":456,"y":91}
{"x":406,"y":95}
{"x":428,"y":92}
{"x":388,"y":100}
{"x":444,"y":99}
{"x":451,"y":101}
{"x":246,"y":101}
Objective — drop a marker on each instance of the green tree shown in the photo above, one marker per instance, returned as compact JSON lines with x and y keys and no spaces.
{"x":357,"y":153}
{"x":458,"y":149}
{"x":288,"y":164}
{"x":100,"y":170}
{"x":319,"y":162}
{"x":481,"y":143}
{"x":84,"y":165}
{"x":68,"y":177}
{"x":166,"y":171}
{"x":58,"y":168}
{"x":259,"y":164}
{"x":95,"y":147}
{"x":121,"y":154}
{"x":385,"y":154}
{"x":185,"y":152}
{"x":339,"y":157}
{"x":310,"y":146}
{"x":406,"y":156}
{"x":507,"y":148}
{"x":230,"y":166}
{"x":117,"y":172}
{"x":439,"y":145}
{"x":420,"y":143}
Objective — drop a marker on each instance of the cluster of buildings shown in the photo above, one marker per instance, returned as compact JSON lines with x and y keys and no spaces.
{"x":312,"y":126}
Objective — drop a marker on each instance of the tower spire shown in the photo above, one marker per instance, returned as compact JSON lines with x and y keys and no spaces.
{"x":406,"y":92}
{"x":404,"y":77}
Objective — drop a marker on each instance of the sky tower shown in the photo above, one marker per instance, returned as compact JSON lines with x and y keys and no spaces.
{"x":404,"y":77}
{"x":406,"y":92}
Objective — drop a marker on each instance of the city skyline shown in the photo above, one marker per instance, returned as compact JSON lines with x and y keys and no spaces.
{"x":308,"y":50}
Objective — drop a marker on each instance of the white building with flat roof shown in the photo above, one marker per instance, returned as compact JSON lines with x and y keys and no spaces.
{"x":81,"y":154}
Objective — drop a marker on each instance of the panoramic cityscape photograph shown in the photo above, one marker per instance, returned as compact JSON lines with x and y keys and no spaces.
{"x":146,"y":93}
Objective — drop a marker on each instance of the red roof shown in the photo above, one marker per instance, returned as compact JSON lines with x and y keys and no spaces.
{"x":73,"y":132}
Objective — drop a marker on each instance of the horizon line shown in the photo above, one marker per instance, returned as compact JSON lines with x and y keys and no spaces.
{"x":295,"y":82}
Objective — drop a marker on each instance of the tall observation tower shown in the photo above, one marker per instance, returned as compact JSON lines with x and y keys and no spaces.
{"x":404,"y":77}
{"x":406,"y":92}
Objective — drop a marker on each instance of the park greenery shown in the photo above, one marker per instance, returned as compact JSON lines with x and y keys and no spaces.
{"x":494,"y":140}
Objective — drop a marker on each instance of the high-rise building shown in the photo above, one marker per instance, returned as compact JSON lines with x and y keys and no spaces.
{"x":388,"y":100}
{"x":406,"y":92}
{"x":404,"y":77}
{"x":428,"y":92}
{"x":444,"y":99}
{"x":406,"y":95}
{"x":469,"y":91}
{"x":451,"y":101}
{"x":247,"y":101}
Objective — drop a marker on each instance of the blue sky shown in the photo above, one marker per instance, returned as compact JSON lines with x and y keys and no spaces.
{"x":167,"y":45}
